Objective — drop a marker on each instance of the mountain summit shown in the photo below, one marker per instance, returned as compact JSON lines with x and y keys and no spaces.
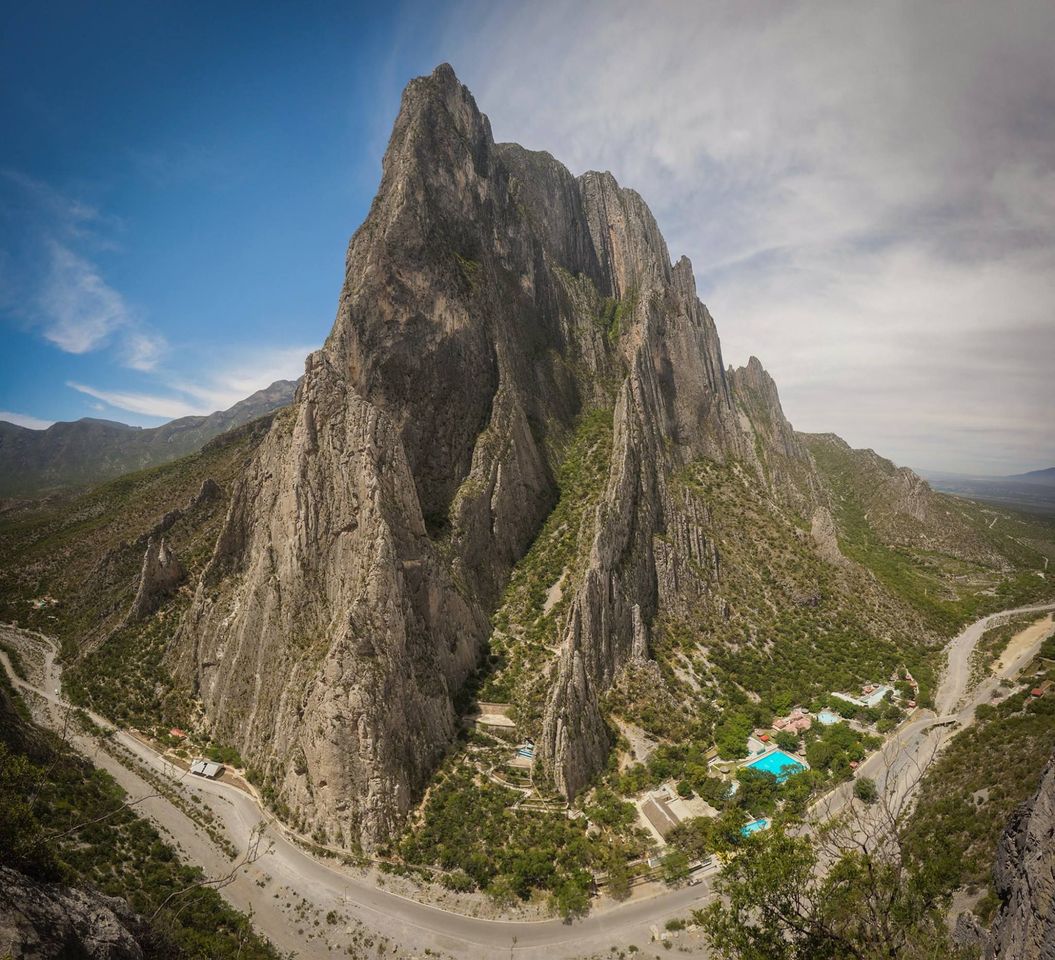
{"x":491,"y":302}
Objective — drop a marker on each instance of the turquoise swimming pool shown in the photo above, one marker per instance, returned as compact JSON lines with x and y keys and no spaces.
{"x":754,"y":826}
{"x":782,"y":765}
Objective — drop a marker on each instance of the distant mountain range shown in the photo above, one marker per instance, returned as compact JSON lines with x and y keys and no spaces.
{"x":85,"y":452}
{"x":1046,"y":477}
{"x":1034,"y":491}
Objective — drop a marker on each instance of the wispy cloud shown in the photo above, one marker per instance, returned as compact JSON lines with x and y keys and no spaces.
{"x":146,"y":404}
{"x":24,"y":420}
{"x":219,"y":387}
{"x":81,"y":310}
{"x":53,"y":281}
{"x":142,"y":350}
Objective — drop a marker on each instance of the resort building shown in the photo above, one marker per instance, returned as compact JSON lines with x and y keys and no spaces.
{"x":207,"y":769}
{"x":660,"y":811}
{"x":524,"y":756}
{"x":659,"y":818}
{"x":755,"y":746}
{"x":492,"y":715}
{"x":798,"y":721}
{"x":871,"y":695}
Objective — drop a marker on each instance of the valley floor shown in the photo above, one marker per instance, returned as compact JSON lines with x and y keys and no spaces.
{"x":314,"y":907}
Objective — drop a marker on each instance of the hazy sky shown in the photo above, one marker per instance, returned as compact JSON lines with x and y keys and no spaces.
{"x":866,"y":191}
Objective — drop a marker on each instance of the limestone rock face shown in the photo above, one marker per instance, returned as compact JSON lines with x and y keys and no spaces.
{"x":162,"y":573}
{"x":1024,"y":928}
{"x":40,"y":921}
{"x":490,"y":298}
{"x":826,"y":537}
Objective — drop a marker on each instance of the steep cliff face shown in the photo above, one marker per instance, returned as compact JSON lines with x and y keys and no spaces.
{"x":161,"y":575}
{"x":490,"y":300}
{"x":39,"y":921}
{"x":1024,"y":929}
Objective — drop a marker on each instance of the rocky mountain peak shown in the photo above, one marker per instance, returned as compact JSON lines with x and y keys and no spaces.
{"x":490,"y":301}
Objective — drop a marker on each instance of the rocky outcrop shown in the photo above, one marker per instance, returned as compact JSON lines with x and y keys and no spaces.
{"x":161,"y":575}
{"x":826,"y":537}
{"x":490,"y":298}
{"x":1024,"y":928}
{"x":42,"y":921}
{"x":210,"y":492}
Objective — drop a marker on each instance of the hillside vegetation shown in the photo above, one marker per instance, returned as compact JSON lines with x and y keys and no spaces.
{"x":964,"y":803}
{"x":949,"y":560}
{"x":63,"y":820}
{"x":69,"y":567}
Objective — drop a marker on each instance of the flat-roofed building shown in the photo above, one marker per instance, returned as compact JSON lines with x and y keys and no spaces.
{"x":659,"y":816}
{"x":207,"y":768}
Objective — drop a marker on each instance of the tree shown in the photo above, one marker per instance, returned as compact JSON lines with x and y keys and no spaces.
{"x":675,"y":866}
{"x":787,"y":740}
{"x":572,"y":896}
{"x":850,"y":889}
{"x":731,"y":736}
{"x":865,"y":790}
{"x":618,"y":876}
{"x":819,"y":754}
{"x":714,"y":790}
{"x":693,"y":836}
{"x":758,"y":791}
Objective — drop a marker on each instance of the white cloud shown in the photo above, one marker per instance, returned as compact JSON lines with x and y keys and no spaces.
{"x":81,"y":310}
{"x":217,"y":389}
{"x":222,"y":386}
{"x":24,"y":420}
{"x":147,"y":404}
{"x":52,"y":283}
{"x":865,"y":190}
{"x":142,"y":351}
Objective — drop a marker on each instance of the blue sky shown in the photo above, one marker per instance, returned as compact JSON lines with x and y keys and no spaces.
{"x":866,"y":191}
{"x":177,"y":187}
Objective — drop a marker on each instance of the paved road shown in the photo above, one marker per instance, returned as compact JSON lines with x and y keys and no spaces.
{"x":896,"y":767}
{"x":286,"y":870}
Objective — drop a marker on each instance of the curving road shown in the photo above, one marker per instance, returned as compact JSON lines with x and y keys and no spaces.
{"x":285,"y":876}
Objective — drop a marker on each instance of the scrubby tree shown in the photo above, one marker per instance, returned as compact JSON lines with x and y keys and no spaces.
{"x":851,"y":889}
{"x":618,"y":875}
{"x":865,"y":790}
{"x":675,"y":866}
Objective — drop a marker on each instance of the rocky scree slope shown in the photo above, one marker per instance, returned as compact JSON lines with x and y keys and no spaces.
{"x":491,"y":300}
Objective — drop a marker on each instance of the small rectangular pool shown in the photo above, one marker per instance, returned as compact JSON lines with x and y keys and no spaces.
{"x":782,"y":765}
{"x":754,"y":826}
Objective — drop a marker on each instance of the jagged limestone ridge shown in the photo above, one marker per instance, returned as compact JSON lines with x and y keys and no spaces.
{"x":348,"y":596}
